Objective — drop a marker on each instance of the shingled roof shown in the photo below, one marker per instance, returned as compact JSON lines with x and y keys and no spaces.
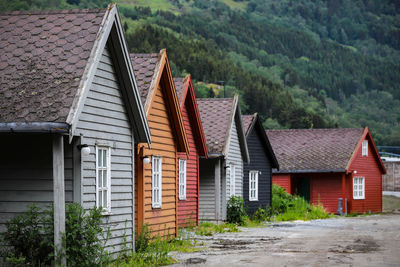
{"x":247,"y":120}
{"x":179,"y":86}
{"x":314,"y":150}
{"x":43,"y":58}
{"x":215,"y":116}
{"x":144,"y":66}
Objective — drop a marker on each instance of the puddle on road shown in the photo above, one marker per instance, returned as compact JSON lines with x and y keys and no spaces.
{"x":232,"y":244}
{"x":195,"y":261}
{"x":360,"y":245}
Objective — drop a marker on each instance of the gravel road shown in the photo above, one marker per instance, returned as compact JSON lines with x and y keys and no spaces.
{"x":359,"y":241}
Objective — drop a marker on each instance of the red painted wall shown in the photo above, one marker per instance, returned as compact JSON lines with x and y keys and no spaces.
{"x":367,"y":167}
{"x":188,"y":209}
{"x":326,"y":189}
{"x":282,"y":180}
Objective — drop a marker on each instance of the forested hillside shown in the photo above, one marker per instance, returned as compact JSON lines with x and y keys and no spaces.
{"x":300,"y":64}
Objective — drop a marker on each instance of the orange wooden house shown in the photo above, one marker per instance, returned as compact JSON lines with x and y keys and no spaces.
{"x":188,"y":203}
{"x":156,"y":184}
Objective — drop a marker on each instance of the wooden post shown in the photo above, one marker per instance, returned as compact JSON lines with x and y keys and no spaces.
{"x":217,"y":177}
{"x":77,"y":171}
{"x":59,"y":198}
{"x":140,"y":188}
{"x":344,"y":193}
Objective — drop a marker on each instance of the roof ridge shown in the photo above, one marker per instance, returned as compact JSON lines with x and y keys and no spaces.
{"x":314,"y":129}
{"x":51,"y":11}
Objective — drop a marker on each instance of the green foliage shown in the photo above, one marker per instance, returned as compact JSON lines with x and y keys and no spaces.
{"x":286,"y":207}
{"x":30,"y":237}
{"x":142,"y":238}
{"x":235,"y":212}
{"x":208,"y":229}
{"x":85,"y":237}
{"x":261,"y":215}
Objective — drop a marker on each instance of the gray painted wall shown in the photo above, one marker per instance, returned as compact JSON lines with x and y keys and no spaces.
{"x":207,"y":179}
{"x":26,"y":174}
{"x":207,"y":189}
{"x":104,"y":121}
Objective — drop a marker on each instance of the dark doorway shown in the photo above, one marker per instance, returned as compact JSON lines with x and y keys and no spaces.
{"x":303,"y":188}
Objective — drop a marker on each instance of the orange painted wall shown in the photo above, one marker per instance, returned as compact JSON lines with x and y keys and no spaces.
{"x":188,"y":209}
{"x":282,"y":180}
{"x":162,"y":221}
{"x":367,"y":167}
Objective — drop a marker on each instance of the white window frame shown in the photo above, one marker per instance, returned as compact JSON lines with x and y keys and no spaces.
{"x":182,"y":179}
{"x":156,"y":181}
{"x":365,"y":148}
{"x":358,"y":187}
{"x":100,"y":171}
{"x":253,"y":185}
{"x":232,"y":174}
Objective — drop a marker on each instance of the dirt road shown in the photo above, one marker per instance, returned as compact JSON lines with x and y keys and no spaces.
{"x":360,"y":241}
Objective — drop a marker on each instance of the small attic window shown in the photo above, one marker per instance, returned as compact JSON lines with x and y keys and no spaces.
{"x":365,"y":148}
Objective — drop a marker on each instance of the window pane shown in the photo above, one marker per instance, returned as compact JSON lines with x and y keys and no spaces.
{"x":101,"y":198}
{"x":105,"y":198}
{"x":104,"y":158}
{"x":99,"y":157}
{"x":104,"y":178}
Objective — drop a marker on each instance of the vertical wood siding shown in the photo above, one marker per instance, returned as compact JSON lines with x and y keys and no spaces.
{"x":207,"y":189}
{"x":104,"y":121}
{"x":282,"y":180}
{"x":187,"y":209}
{"x":234,"y":157}
{"x":391,"y":180}
{"x":26,"y":174}
{"x":367,"y":167}
{"x":259,"y":161}
{"x":162,"y":221}
{"x":326,"y":189}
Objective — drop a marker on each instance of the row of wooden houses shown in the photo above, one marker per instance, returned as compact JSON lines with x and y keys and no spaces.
{"x":82,"y":120}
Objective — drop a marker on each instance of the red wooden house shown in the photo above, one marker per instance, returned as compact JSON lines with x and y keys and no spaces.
{"x":323,"y":165}
{"x":188,"y":201}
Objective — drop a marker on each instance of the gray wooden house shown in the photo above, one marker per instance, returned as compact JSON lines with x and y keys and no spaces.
{"x":257,"y":175}
{"x":67,"y":88}
{"x":221,"y":175}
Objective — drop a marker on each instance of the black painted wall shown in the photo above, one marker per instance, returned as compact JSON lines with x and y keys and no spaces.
{"x":261,"y":161}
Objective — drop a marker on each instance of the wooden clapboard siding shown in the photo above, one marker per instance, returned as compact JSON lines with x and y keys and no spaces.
{"x":259,"y":161}
{"x":207,"y":190}
{"x":162,"y":221}
{"x":26,"y":173}
{"x":104,"y":121}
{"x":188,"y":209}
{"x":235,"y":157}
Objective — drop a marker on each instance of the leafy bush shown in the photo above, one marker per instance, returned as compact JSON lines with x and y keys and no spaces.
{"x":142,"y":238}
{"x":235,"y":210}
{"x":286,"y":207}
{"x":85,"y":238}
{"x":261,"y":215}
{"x":30,"y":237}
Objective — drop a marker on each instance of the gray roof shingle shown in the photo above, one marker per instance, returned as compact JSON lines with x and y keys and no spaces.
{"x":247,"y":120}
{"x":144,"y":66}
{"x":315,"y":149}
{"x":179,"y":83}
{"x":43,"y":58}
{"x":215,"y":116}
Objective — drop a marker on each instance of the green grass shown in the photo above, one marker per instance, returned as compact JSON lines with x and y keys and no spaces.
{"x":390,"y":203}
{"x":208,"y":229}
{"x":153,"y":4}
{"x":235,"y":5}
{"x":299,"y":209}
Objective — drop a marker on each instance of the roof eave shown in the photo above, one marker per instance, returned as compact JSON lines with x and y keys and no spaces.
{"x":34,"y":127}
{"x":274,"y":171}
